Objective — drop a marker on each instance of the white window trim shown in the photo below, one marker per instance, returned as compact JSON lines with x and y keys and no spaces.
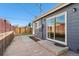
{"x":33,"y":28}
{"x":64,"y":43}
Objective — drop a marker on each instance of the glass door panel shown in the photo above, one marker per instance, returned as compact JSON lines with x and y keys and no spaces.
{"x":60,"y":28}
{"x":50,"y":28}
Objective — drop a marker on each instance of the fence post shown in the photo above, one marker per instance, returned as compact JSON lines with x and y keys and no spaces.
{"x":10,"y":27}
{"x":19,"y":30}
{"x":5,"y":24}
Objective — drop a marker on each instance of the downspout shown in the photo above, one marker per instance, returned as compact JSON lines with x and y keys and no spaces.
{"x":5,"y":25}
{"x":42,"y":30}
{"x":42,"y":21}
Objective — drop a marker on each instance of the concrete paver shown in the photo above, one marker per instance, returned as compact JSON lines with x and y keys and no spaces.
{"x":24,"y":46}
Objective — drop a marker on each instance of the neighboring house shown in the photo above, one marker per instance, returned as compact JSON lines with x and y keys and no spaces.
{"x":60,"y":25}
{"x":5,"y":26}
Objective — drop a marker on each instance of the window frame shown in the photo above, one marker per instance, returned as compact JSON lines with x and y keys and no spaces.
{"x":38,"y":24}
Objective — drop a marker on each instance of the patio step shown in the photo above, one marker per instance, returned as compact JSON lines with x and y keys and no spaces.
{"x":57,"y":50}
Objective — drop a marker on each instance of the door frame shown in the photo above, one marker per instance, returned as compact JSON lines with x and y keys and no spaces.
{"x":64,"y":43}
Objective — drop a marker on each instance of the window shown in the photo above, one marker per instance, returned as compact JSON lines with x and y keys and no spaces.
{"x":38,"y":24}
{"x":56,"y":28}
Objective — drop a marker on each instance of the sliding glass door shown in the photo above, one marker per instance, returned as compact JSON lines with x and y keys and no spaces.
{"x":56,"y":28}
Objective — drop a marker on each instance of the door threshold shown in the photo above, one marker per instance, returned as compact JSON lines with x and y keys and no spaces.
{"x":60,"y":45}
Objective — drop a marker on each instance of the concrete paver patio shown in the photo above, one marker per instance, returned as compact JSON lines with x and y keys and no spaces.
{"x":24,"y":46}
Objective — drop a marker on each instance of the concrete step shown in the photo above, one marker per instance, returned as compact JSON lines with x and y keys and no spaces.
{"x":57,"y":50}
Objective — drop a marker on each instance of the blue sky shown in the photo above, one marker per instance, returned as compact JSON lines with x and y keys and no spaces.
{"x":23,"y":13}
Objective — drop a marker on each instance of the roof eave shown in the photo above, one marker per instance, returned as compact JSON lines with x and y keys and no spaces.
{"x":53,"y":10}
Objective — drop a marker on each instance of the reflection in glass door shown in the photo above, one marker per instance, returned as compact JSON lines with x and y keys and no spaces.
{"x":50,"y":28}
{"x":60,"y":28}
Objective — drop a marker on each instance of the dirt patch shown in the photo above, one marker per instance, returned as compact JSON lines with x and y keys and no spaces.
{"x":33,"y":38}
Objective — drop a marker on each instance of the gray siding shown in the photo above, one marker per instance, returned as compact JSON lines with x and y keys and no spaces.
{"x":72,"y":26}
{"x":41,"y":33}
{"x":38,"y":34}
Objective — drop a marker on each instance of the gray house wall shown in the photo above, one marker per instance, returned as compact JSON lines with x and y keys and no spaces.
{"x":41,"y":33}
{"x":72,"y":26}
{"x":38,"y":34}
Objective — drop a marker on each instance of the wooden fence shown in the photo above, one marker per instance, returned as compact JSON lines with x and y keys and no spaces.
{"x":23,"y":31}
